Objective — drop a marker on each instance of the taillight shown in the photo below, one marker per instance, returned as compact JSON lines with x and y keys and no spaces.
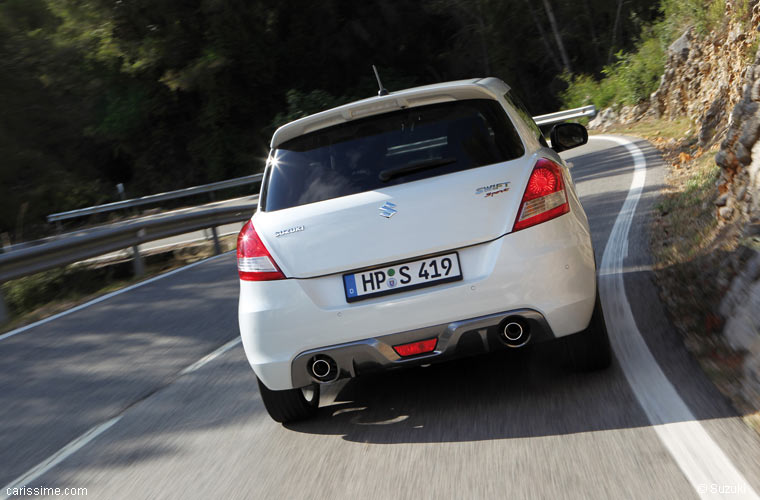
{"x":254,"y":261}
{"x":545,"y":197}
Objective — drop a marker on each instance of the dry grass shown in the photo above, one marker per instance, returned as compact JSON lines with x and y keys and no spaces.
{"x":686,"y":225}
{"x":656,"y":130}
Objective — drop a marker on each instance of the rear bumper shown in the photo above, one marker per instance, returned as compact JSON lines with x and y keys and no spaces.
{"x":548,"y":269}
{"x":457,"y":339}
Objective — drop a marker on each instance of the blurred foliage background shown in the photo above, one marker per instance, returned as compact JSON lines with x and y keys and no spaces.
{"x":162,"y":94}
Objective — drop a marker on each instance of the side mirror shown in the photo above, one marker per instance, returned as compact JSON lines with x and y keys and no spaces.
{"x":567,"y":136}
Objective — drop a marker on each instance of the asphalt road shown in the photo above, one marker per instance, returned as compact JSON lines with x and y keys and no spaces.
{"x":510,"y":425}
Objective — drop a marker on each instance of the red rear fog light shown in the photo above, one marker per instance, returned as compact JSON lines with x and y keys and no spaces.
{"x":419,"y":347}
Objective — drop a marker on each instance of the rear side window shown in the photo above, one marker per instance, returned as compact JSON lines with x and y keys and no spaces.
{"x":526,"y":116}
{"x":389,"y":149}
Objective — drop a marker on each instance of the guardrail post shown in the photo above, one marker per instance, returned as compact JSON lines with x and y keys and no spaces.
{"x":138,"y":263}
{"x":217,"y":245}
{"x":3,"y":309}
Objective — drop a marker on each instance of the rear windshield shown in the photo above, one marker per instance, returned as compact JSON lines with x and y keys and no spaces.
{"x":388,"y":149}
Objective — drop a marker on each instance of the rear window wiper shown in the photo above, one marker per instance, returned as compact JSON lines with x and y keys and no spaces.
{"x":390,"y":173}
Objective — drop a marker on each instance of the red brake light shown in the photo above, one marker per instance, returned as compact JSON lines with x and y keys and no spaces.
{"x":413,"y":348}
{"x":254,"y":261}
{"x":545,"y":197}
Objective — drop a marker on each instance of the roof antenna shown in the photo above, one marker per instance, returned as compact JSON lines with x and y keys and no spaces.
{"x":383,"y":90}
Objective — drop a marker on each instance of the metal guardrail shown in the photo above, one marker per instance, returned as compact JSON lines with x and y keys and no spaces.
{"x":80,"y":247}
{"x":155,"y":198}
{"x":567,"y":114}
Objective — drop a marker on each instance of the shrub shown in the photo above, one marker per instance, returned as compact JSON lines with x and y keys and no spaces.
{"x":631,"y":79}
{"x":704,"y":15}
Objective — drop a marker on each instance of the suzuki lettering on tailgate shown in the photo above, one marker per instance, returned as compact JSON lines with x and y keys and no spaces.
{"x":402,"y":277}
{"x":290,"y":230}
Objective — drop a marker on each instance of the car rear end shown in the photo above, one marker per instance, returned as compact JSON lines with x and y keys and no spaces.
{"x":408,"y":229}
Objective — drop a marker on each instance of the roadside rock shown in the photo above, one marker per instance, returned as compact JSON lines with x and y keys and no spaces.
{"x":604,"y":119}
{"x":741,"y":307}
{"x":726,"y":212}
{"x":713,"y":117}
{"x":679,"y":49}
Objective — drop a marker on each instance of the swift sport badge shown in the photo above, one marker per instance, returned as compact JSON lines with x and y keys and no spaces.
{"x":388,"y":210}
{"x":492,"y":190}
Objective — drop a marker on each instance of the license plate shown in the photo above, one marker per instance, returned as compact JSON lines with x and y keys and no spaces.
{"x":402,"y":277}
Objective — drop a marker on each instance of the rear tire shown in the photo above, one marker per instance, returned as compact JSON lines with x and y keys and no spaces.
{"x":590,"y":350}
{"x":290,"y":405}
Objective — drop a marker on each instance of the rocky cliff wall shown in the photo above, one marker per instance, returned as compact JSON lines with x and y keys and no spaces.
{"x":714,"y":80}
{"x":703,"y":77}
{"x":738,"y":200}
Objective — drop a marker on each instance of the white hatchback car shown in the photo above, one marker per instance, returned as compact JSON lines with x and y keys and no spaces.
{"x":409,"y":228}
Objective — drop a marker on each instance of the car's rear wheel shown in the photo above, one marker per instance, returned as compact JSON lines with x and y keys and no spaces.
{"x":290,"y":405}
{"x":590,"y":349}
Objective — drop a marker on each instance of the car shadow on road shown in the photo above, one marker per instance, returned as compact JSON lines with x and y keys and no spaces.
{"x":511,"y":394}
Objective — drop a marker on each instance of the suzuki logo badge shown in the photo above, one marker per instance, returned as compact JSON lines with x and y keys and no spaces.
{"x":388,"y":210}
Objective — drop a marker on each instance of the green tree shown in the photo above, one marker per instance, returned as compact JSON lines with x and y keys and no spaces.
{"x":160,"y":94}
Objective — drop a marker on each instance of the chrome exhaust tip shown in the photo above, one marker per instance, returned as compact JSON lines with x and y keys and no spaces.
{"x":514,"y":331}
{"x":320,"y":368}
{"x":323,"y":369}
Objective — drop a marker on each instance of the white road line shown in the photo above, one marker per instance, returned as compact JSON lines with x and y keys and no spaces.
{"x":210,"y":357}
{"x":56,"y":458}
{"x":701,"y":460}
{"x":106,"y":297}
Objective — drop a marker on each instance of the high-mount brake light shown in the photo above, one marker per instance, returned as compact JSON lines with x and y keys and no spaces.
{"x":545,"y":197}
{"x":254,"y":261}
